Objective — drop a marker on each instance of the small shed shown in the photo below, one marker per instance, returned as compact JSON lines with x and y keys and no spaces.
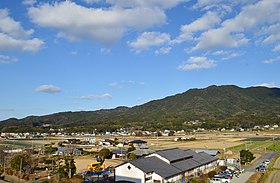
{"x":118,"y":153}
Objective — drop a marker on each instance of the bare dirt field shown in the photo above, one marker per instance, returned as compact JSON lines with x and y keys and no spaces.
{"x":214,"y":143}
{"x":83,"y":161}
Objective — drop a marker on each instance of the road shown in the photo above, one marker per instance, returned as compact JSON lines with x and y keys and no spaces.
{"x":250,"y":170}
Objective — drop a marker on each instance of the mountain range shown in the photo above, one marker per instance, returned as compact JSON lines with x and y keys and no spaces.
{"x":212,"y":107}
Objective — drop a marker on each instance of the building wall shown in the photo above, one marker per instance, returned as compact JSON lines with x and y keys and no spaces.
{"x":175,"y":179}
{"x":123,"y":173}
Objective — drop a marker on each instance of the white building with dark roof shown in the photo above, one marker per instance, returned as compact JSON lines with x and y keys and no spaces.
{"x":169,"y":165}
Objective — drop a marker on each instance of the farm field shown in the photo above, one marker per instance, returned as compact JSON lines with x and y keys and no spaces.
{"x":274,"y":176}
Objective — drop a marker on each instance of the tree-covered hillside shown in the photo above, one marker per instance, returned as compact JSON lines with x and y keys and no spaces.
{"x":217,"y":106}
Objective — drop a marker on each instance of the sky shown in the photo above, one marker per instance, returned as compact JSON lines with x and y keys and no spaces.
{"x":85,"y":55}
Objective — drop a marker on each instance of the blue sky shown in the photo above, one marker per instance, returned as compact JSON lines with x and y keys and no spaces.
{"x":92,"y":54}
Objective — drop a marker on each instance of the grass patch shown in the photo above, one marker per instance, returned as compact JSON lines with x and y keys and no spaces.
{"x":253,"y":146}
{"x":274,"y":146}
{"x":255,"y":178}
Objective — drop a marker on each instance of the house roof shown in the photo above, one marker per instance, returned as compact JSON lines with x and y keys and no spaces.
{"x":186,"y":165}
{"x":119,"y":151}
{"x":138,"y":141}
{"x":204,"y":158}
{"x":142,"y":152}
{"x":174,"y":154}
{"x":210,"y":152}
{"x":154,"y":164}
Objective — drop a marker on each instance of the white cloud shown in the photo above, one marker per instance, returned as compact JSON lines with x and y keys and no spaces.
{"x":8,"y":43}
{"x":163,"y":50}
{"x":149,"y":39}
{"x":93,"y":1}
{"x":145,"y":3}
{"x":48,"y":89}
{"x":29,"y":2}
{"x":269,"y":85}
{"x":94,"y":97}
{"x":14,"y":38}
{"x":277,"y":48}
{"x":226,"y":55}
{"x":232,"y":31}
{"x":272,"y":60}
{"x":219,"y":38}
{"x":196,"y":63}
{"x":4,"y":59}
{"x":105,"y":25}
{"x":207,"y":21}
{"x":12,"y":28}
{"x":206,"y":3}
{"x":115,"y":85}
{"x":273,"y":34}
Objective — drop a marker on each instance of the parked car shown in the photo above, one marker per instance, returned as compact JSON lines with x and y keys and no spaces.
{"x":226,"y":173}
{"x":267,"y":161}
{"x":215,"y":180}
{"x":219,"y":180}
{"x":261,"y":168}
{"x":222,"y":178}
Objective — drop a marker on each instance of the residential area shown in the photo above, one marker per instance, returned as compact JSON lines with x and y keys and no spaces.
{"x":126,"y":157}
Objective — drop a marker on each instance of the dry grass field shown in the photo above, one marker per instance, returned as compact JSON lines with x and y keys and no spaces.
{"x":274,"y":177}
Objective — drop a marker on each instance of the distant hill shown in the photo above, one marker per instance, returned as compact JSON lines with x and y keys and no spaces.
{"x":216,"y":106}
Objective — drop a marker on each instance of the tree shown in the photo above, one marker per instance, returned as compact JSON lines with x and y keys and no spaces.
{"x":131,"y":148}
{"x":50,"y":150}
{"x":22,"y":163}
{"x":246,"y":156}
{"x":66,"y":168}
{"x":132,"y":156}
{"x":171,"y":133}
{"x":70,"y":167}
{"x":105,"y":153}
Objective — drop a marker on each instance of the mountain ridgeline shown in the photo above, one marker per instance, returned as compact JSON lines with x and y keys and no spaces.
{"x":215,"y":106}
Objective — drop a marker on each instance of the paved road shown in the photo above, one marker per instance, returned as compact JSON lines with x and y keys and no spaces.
{"x":250,"y":170}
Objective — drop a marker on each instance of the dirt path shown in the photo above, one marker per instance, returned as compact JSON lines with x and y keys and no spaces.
{"x":277,"y":163}
{"x":274,"y":177}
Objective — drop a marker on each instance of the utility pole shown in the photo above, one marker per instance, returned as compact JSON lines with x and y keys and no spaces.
{"x":4,"y":166}
{"x":20,"y":169}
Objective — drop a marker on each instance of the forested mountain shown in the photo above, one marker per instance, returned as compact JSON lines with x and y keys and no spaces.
{"x":216,"y":106}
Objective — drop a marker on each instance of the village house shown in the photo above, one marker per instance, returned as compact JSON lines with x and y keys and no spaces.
{"x":140,"y":144}
{"x":69,"y":151}
{"x":169,"y":165}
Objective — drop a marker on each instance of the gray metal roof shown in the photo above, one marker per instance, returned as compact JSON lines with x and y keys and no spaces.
{"x":154,"y":164}
{"x":181,"y":161}
{"x":119,"y":151}
{"x":142,"y":152}
{"x":186,"y":165}
{"x":204,"y":158}
{"x":210,"y":152}
{"x":174,"y":154}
